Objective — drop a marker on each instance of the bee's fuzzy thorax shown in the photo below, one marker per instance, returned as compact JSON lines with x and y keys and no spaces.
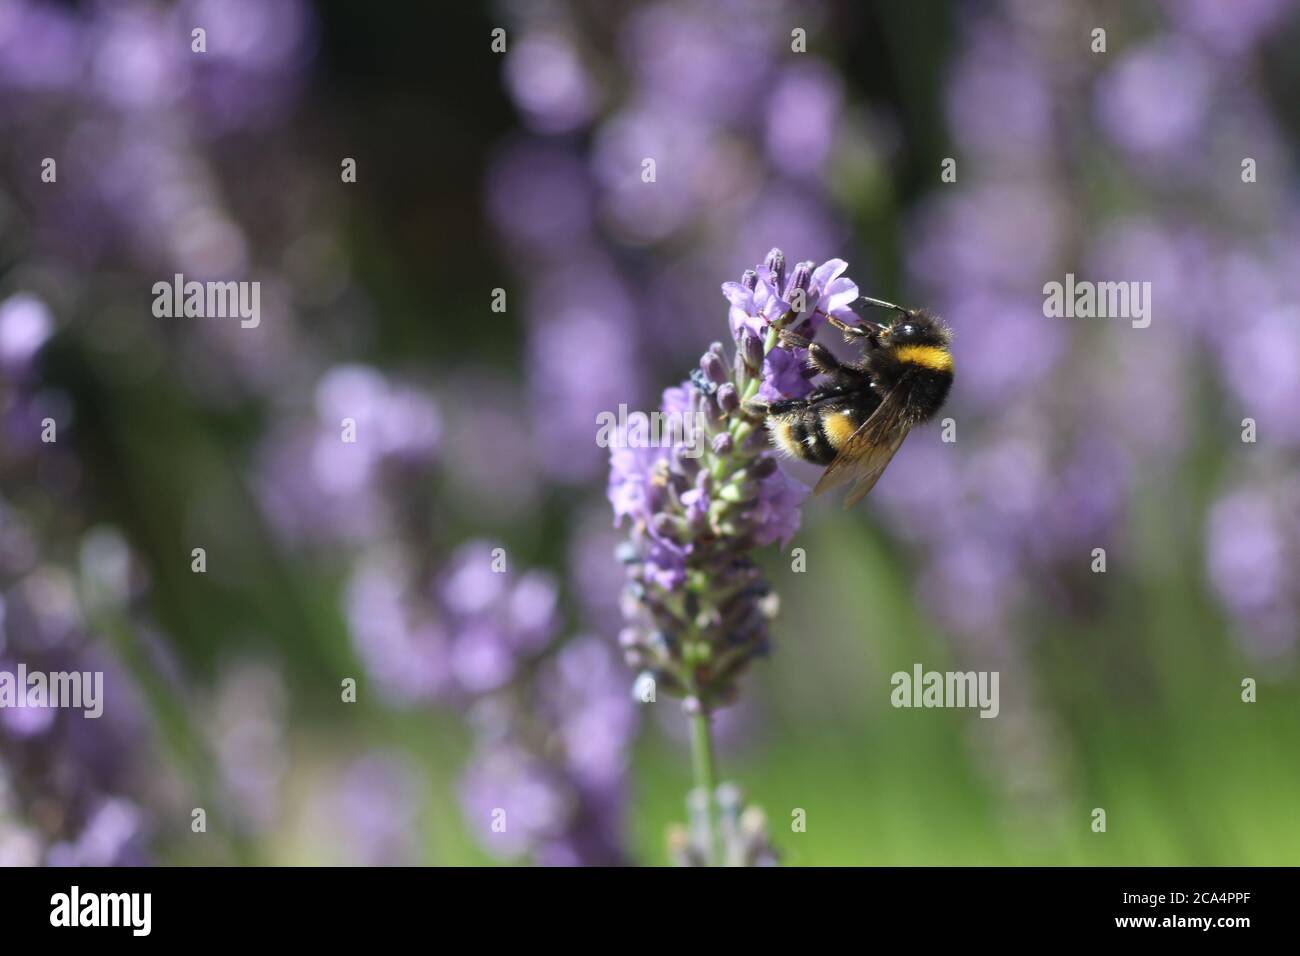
{"x":932,"y":358}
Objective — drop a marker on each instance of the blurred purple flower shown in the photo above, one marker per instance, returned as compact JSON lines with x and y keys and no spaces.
{"x":393,"y":421}
{"x":1261,"y":362}
{"x":803,"y":118}
{"x":532,"y":796}
{"x":972,"y":586}
{"x":640,"y":211}
{"x":795,"y":218}
{"x":25,"y":326}
{"x":523,"y":608}
{"x":585,"y":694}
{"x":1180,"y":260}
{"x":113,"y":836}
{"x":710,"y":60}
{"x":41,"y":46}
{"x":406,"y":656}
{"x":140,"y":59}
{"x":370,"y":810}
{"x":463,"y":637}
{"x":1253,"y":563}
{"x":326,"y":476}
{"x":1230,"y":28}
{"x":582,"y":308}
{"x":997,"y":99}
{"x":549,"y":83}
{"x":594,"y":572}
{"x":1153,"y":102}
{"x":78,"y":781}
{"x":1020,"y":228}
{"x":985,"y":324}
{"x":257,"y":54}
{"x":549,"y":780}
{"x":539,"y":198}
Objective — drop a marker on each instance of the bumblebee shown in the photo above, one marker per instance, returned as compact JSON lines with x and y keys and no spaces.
{"x":857,"y":417}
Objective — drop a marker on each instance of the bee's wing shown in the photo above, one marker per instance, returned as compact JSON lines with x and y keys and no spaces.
{"x":868,"y":479}
{"x":869,"y":450}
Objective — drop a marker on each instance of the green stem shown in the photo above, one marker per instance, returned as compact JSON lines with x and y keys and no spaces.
{"x":705,"y":776}
{"x":702,"y":759}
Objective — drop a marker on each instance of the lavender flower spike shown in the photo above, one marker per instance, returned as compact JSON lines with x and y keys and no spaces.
{"x":697,"y":605}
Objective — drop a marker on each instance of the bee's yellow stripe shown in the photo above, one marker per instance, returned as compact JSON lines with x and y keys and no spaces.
{"x":783,"y":436}
{"x":933,"y":357}
{"x":839,"y":428}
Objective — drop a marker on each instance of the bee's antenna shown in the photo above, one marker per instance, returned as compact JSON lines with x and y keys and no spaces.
{"x":881,"y":304}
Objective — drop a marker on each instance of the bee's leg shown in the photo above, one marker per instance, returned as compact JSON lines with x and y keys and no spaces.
{"x":869,"y":331}
{"x":755,"y":409}
{"x":855,"y":331}
{"x":792,"y":341}
{"x":786,"y":406}
{"x":823,"y":359}
{"x":819,"y":356}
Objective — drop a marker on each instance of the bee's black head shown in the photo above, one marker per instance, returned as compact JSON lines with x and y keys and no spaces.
{"x":918,"y":327}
